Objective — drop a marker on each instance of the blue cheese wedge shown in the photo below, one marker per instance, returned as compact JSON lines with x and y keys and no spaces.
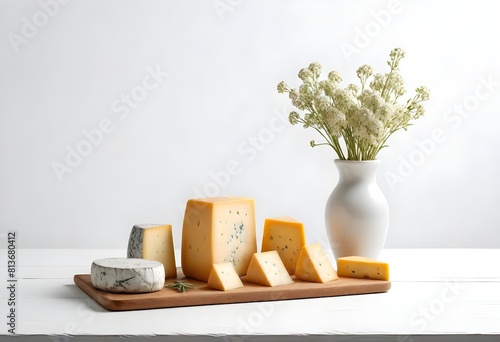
{"x":217,"y":230}
{"x":153,"y":242}
{"x":123,"y":275}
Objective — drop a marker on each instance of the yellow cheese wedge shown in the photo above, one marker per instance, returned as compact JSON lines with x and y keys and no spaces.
{"x":285,"y":235}
{"x":215,"y":230}
{"x":224,"y":277}
{"x":361,"y":267}
{"x":314,"y":265}
{"x":267,"y":269}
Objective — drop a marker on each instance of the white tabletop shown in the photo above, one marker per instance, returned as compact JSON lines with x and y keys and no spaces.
{"x":434,"y":291}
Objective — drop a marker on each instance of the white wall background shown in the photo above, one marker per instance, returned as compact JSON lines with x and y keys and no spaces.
{"x":215,"y":103}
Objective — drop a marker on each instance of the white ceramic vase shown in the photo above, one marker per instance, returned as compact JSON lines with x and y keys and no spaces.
{"x":357,"y":212}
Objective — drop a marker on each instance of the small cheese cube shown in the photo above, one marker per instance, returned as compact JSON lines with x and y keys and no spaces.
{"x":361,"y":267}
{"x":267,"y":269}
{"x":285,"y":235}
{"x":313,"y":265}
{"x":153,"y":242}
{"x":224,"y":277}
{"x":215,"y":230}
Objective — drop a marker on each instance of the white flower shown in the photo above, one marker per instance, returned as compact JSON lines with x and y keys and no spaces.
{"x":294,"y":118}
{"x":297,"y":101}
{"x":378,"y":82}
{"x":343,"y":99}
{"x":363,"y":116}
{"x":315,"y":68}
{"x":423,"y":92}
{"x":282,"y":87}
{"x":354,"y":89}
{"x":335,"y":120}
{"x":368,"y":128}
{"x":305,"y":74}
{"x":334,"y":77}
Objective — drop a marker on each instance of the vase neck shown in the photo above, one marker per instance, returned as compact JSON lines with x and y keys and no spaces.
{"x":352,"y":170}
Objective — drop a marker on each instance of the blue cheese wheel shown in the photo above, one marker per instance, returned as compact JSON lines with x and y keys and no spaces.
{"x":124,"y":275}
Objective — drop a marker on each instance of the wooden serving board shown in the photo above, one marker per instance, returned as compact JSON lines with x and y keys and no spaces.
{"x":202,"y":295}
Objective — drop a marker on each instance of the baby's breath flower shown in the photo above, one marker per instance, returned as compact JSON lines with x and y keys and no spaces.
{"x":327,"y":87}
{"x":305,"y":90}
{"x":334,"y":77}
{"x":315,"y":68}
{"x":311,"y":120}
{"x":423,"y":92}
{"x":297,"y":101}
{"x":396,"y":55}
{"x":335,"y":120}
{"x":365,"y":117}
{"x":395,"y":80}
{"x":294,"y":118}
{"x":400,"y":92}
{"x":378,"y":82}
{"x":343,"y":99}
{"x":419,"y":111}
{"x":364,"y":72}
{"x":354,"y":89}
{"x":322,"y":104}
{"x":283,"y":87}
{"x":305,"y":74}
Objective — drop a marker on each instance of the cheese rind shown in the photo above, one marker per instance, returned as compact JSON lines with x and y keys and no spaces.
{"x":266,"y":268}
{"x":313,"y":265}
{"x":361,"y":267}
{"x":153,"y":242}
{"x":224,"y":277}
{"x":123,"y":275}
{"x":216,"y":230}
{"x":285,"y":235}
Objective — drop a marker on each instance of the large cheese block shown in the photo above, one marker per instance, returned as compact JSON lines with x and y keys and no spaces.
{"x":153,"y":242}
{"x":215,"y":230}
{"x":266,"y":268}
{"x":313,"y":265}
{"x":286,"y":236}
{"x":361,"y":267}
{"x":123,"y":275}
{"x":224,"y":277}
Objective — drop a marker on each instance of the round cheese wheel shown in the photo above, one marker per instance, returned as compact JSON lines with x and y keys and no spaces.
{"x":126,"y":275}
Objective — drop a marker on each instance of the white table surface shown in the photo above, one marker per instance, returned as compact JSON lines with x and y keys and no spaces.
{"x":434,"y":291}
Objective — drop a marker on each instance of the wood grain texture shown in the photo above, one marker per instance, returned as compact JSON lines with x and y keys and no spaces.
{"x":202,"y":295}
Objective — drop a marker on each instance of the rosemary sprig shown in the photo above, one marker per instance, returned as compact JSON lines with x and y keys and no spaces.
{"x":180,"y":286}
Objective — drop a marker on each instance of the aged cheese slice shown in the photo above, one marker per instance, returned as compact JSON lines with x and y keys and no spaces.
{"x":224,"y":277}
{"x":153,"y":242}
{"x":361,"y":267}
{"x":314,"y":265}
{"x":266,"y":268}
{"x":215,"y":230}
{"x":285,"y":235}
{"x":123,"y":275}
